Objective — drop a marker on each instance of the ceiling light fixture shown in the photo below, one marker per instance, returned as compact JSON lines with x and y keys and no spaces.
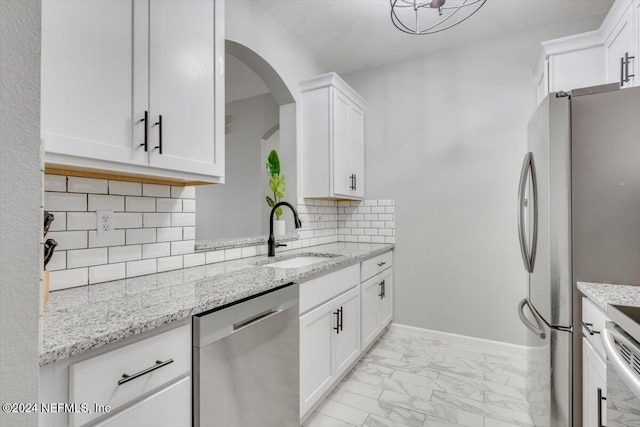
{"x":420,"y":17}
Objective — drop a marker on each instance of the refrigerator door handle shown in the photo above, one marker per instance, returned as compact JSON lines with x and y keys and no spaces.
{"x":526,"y":167}
{"x":536,"y":329}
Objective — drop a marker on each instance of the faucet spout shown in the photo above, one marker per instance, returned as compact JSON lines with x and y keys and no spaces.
{"x":272,"y":241}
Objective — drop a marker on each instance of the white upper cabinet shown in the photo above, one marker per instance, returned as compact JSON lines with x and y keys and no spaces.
{"x":332,"y":121}
{"x":134,"y":87}
{"x":607,"y":55}
{"x":621,"y":31}
{"x":94,"y":79}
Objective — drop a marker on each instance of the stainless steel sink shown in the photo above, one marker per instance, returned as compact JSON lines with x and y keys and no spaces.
{"x":297,"y":262}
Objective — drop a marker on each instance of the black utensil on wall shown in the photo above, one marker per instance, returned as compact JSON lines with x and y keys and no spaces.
{"x":48,"y":219}
{"x":49,"y":248}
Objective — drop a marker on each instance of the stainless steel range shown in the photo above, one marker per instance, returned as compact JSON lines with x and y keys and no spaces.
{"x":621,"y":341}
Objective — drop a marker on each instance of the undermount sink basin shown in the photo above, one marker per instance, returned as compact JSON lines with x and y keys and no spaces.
{"x":297,"y":262}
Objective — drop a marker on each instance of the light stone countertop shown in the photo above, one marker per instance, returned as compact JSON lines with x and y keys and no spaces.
{"x":80,"y":319}
{"x":603,"y":294}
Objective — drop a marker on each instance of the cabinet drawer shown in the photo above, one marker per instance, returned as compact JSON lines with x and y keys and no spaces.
{"x":593,"y":320}
{"x":322,"y":289}
{"x":95,"y":380}
{"x":376,"y":265}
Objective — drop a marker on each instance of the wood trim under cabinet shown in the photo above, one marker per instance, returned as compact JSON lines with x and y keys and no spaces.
{"x":54,"y":169}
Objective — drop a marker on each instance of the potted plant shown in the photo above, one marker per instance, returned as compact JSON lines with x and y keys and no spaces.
{"x":277,"y":186}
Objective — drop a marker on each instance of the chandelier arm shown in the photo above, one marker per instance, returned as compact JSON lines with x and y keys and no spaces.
{"x":397,"y":22}
{"x":450,"y":26}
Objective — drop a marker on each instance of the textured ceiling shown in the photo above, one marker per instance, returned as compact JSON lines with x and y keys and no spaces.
{"x":351,"y":35}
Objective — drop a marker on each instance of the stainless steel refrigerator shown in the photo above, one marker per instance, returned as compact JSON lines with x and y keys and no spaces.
{"x":579,"y":220}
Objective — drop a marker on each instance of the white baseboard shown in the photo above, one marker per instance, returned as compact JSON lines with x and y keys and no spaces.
{"x":464,"y":339}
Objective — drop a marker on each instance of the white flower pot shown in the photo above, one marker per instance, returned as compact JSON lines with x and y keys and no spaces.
{"x":279,"y":227}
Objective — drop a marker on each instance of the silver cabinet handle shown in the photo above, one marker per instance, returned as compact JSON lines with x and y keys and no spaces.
{"x":601,"y":398}
{"x":609,"y":337}
{"x":588,"y":327}
{"x":126,"y":378}
{"x":528,"y":256}
{"x":380,"y":264}
{"x":536,"y":329}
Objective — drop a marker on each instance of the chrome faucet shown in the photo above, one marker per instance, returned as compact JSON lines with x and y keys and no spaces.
{"x":272,"y":241}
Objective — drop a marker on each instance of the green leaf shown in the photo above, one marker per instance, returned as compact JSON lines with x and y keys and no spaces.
{"x":270,"y":202}
{"x":280,"y":187}
{"x":274,"y":183}
{"x":278,"y":212}
{"x":273,"y":163}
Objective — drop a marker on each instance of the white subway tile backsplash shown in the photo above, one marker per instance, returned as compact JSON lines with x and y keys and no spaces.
{"x":214,"y":256}
{"x":183,"y":219}
{"x":106,"y":203}
{"x":59,"y":221}
{"x":140,"y":204}
{"x":364,"y":239}
{"x":140,"y":235}
{"x":58,"y":261}
{"x":369,"y":221}
{"x":87,"y":185}
{"x":182,"y":247}
{"x":153,"y":219}
{"x":377,"y":239}
{"x":377,"y":210}
{"x":170,"y":263}
{"x":64,"y":279}
{"x":81,"y":221}
{"x":124,"y":188}
{"x":156,"y":250}
{"x":231,"y":254}
{"x":183,"y":192}
{"x":86,"y":257}
{"x":127,"y":220}
{"x":249,"y":251}
{"x":125,"y":253}
{"x":370,"y":202}
{"x":169,"y":205}
{"x":169,"y":234}
{"x":55,"y":183}
{"x":113,"y":238}
{"x":193,"y":260}
{"x":188,"y":205}
{"x":189,"y":233}
{"x":65,"y":202}
{"x":385,"y":202}
{"x":155,"y":190}
{"x":143,"y":240}
{"x":140,"y":268}
{"x":105,"y":273}
{"x":69,"y":239}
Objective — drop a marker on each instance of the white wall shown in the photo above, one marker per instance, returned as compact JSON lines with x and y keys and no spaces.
{"x":20,"y":206}
{"x":445,"y":137}
{"x":235,"y":209}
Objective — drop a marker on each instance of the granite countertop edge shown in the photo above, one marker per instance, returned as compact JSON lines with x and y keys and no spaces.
{"x":62,"y":343}
{"x":603,"y":294}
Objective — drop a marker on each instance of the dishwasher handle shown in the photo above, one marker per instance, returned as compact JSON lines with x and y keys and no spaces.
{"x":609,"y":338}
{"x":255,"y":319}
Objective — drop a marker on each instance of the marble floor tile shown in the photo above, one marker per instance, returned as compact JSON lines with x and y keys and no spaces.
{"x":412,"y":379}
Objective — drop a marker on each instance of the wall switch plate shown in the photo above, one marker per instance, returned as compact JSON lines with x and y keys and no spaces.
{"x":105,"y":222}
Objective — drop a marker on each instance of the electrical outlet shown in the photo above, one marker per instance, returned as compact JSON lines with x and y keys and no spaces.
{"x":105,"y":222}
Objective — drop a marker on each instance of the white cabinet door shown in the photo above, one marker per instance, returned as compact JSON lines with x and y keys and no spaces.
{"x":342,"y":165}
{"x":594,"y":382}
{"x":186,"y":68}
{"x":356,"y":149}
{"x":346,"y":341}
{"x":316,"y":333}
{"x":620,"y":43}
{"x":94,"y":79}
{"x":370,"y":325}
{"x":170,"y":407}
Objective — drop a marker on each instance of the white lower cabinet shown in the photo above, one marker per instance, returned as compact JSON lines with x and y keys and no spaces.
{"x":329,"y":344}
{"x":153,"y":411}
{"x":377,"y":305}
{"x":340,"y":315}
{"x":594,"y":385}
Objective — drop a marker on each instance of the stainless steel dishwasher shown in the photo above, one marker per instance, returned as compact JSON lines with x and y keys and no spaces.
{"x":246,"y":362}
